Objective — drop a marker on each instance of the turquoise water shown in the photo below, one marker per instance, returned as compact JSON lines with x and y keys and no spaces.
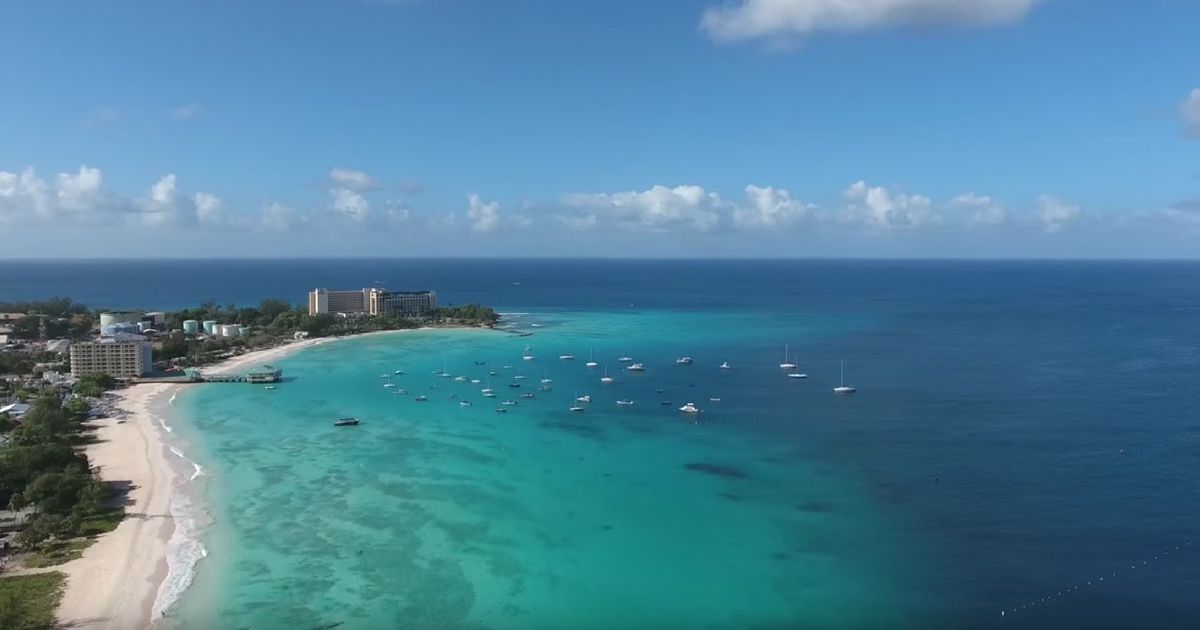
{"x":433,"y":515}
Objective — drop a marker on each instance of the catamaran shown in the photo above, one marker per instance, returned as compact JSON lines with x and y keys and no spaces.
{"x":844,"y":388}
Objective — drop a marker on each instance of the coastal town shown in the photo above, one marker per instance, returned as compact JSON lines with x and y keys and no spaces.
{"x":76,"y":386}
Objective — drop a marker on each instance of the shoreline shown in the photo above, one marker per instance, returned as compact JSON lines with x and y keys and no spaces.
{"x":114,"y":582}
{"x":128,"y":577}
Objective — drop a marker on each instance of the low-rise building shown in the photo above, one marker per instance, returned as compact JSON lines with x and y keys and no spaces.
{"x":123,"y":356}
{"x":264,"y":374}
{"x":373,"y":301}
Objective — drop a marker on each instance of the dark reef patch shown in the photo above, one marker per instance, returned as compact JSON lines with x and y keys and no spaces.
{"x":717,"y":469}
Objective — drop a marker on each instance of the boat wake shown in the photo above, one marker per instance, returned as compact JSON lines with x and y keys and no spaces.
{"x":184,"y":551}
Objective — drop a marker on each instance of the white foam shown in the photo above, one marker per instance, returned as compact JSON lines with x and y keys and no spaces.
{"x":163,"y":423}
{"x":184,"y":551}
{"x":174,"y":393}
{"x":197,"y":469}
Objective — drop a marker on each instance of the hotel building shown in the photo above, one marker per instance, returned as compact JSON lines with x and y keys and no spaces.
{"x":124,"y":356}
{"x":371,"y":302}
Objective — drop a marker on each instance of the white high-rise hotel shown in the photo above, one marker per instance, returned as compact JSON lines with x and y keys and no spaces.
{"x":371,"y":302}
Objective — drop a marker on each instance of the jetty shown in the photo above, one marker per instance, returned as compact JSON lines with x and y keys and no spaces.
{"x":259,"y":375}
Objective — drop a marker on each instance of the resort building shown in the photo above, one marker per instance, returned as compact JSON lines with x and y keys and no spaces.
{"x":123,"y":356}
{"x":371,"y":302}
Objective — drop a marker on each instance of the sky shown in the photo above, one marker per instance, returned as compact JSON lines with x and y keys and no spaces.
{"x":625,"y":128}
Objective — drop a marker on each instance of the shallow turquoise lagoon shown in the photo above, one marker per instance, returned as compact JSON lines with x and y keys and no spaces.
{"x":430,"y":514}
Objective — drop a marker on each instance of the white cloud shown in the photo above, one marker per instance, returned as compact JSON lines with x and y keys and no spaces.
{"x":26,"y":197}
{"x":483,"y":216}
{"x":769,"y":208}
{"x":350,"y":204}
{"x":1189,"y":111}
{"x":1055,"y":214}
{"x":281,"y":218}
{"x":353,"y":180}
{"x":783,"y":19}
{"x":396,"y":211}
{"x":580,"y":222}
{"x":983,"y":211}
{"x":877,"y":207}
{"x":656,"y":209}
{"x":186,"y":112}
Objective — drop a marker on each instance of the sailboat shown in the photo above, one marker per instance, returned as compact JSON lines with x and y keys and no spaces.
{"x":528,"y":354}
{"x":488,"y":392}
{"x":389,"y":384}
{"x":797,"y":374}
{"x":591,"y":362}
{"x":624,"y":358}
{"x":844,"y":388}
{"x":546,"y":377}
{"x":566,"y":356}
{"x":606,"y":378}
{"x":786,"y":365}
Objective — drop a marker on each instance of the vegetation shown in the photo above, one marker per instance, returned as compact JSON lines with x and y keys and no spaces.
{"x":41,"y":470}
{"x":29,"y":602}
{"x":93,"y":385}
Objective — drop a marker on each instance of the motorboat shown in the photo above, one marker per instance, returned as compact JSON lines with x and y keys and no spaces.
{"x":508,"y":403}
{"x":389,"y":385}
{"x":460,"y":379}
{"x":684,"y":361}
{"x":546,"y":381}
{"x":487,"y":393}
{"x":481,"y":363}
{"x":725,"y":365}
{"x":398,"y":372}
{"x":501,"y":409}
{"x":527,"y":395}
{"x":843,"y":388}
{"x":421,"y":398}
{"x":514,"y":384}
{"x":269,"y":387}
{"x":492,"y":372}
{"x":690,"y":408}
{"x":636,"y":367}
{"x":787,"y":364}
{"x":583,"y":399}
{"x":576,"y":409}
{"x":714,"y":400}
{"x":566,"y":357}
{"x":475,"y":381}
{"x":519,"y":377}
{"x":625,"y":403}
{"x":545,"y":388}
{"x":464,"y":403}
{"x":345,"y":422}
{"x":535,"y":325}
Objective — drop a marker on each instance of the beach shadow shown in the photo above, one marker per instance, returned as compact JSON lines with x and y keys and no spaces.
{"x":90,"y":622}
{"x":120,"y":489}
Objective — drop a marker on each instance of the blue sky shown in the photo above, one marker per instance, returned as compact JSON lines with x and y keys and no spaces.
{"x":998,"y":128}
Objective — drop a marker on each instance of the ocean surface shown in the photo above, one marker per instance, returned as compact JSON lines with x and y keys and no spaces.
{"x":1022,"y":450}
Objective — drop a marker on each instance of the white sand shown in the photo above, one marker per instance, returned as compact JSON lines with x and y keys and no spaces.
{"x":113,"y":585}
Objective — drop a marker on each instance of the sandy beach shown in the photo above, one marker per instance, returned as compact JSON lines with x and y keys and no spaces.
{"x":115,"y":583}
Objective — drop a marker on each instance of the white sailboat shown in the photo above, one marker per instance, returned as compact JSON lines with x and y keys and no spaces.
{"x":797,"y":374}
{"x":591,"y":362}
{"x":844,"y":388}
{"x":786,"y":365}
{"x":528,"y":354}
{"x":606,"y":378}
{"x":624,"y":358}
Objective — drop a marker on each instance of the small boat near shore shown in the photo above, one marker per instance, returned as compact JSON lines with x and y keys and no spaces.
{"x":345,"y":422}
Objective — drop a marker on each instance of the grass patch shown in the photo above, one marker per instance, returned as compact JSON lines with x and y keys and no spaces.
{"x":55,"y":553}
{"x":102,"y":523}
{"x":29,"y":602}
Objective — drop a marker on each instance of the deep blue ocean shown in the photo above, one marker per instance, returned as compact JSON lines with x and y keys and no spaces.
{"x":1025,"y":440}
